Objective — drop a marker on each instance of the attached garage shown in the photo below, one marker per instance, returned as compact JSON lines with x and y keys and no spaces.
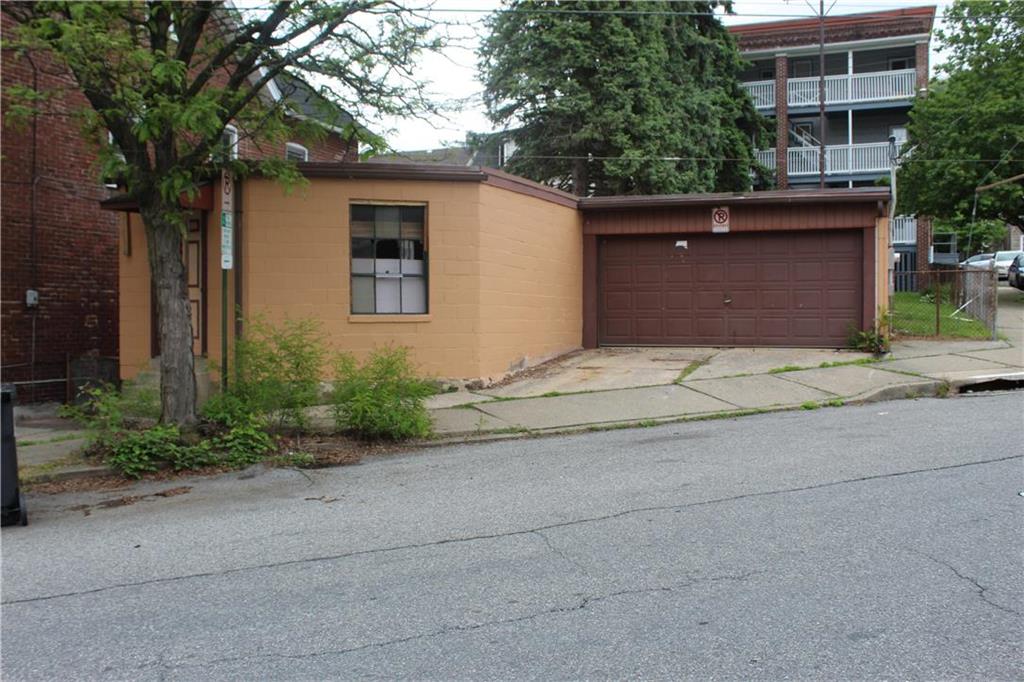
{"x":788,"y":269}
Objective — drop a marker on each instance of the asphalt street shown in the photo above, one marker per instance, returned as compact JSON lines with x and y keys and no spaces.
{"x":881,"y":541}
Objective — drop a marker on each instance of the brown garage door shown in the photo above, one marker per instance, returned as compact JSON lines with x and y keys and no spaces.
{"x":754,"y":288}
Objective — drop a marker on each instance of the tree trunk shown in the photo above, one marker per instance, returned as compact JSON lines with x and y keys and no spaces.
{"x":174,"y":315}
{"x":580,"y":178}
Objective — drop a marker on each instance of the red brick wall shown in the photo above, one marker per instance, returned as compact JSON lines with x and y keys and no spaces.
{"x":921,"y":64}
{"x":75,"y":266}
{"x":781,"y":122}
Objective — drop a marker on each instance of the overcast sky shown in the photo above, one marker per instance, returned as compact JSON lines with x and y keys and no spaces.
{"x":453,"y":74}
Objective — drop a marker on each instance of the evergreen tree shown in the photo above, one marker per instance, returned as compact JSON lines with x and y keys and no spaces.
{"x":610,"y":97}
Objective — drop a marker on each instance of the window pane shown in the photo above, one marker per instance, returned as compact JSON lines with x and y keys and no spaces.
{"x":387,"y":248}
{"x":414,"y":295}
{"x":387,"y":266}
{"x":362,"y":248}
{"x":412,"y":214}
{"x":387,"y":222}
{"x":362,"y":295}
{"x":362,"y":266}
{"x":362,"y":213}
{"x":388,"y":295}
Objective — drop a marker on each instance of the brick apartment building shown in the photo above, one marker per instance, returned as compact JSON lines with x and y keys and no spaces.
{"x":875,"y":65}
{"x":60,"y":248}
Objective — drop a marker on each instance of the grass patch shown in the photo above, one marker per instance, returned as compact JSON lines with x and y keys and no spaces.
{"x":845,"y":363}
{"x":809,"y":405}
{"x":690,"y":369}
{"x":786,"y":368}
{"x":913,"y":314}
{"x":47,"y":441}
{"x":835,"y":402}
{"x":551,"y":394}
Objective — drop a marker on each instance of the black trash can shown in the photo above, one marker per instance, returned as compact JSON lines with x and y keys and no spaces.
{"x":13,"y":503}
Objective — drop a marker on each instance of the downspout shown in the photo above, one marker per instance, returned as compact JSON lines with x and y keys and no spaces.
{"x":33,"y":240}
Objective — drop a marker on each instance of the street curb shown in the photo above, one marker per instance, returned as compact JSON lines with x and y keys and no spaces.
{"x":59,"y":476}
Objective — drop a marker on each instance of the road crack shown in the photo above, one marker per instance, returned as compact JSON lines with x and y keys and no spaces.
{"x":512,"y":533}
{"x":973,"y":582}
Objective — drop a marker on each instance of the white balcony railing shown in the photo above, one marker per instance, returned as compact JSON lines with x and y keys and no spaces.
{"x":766,"y":157}
{"x":903,"y":230}
{"x":763,"y":93}
{"x":840,"y":159}
{"x":875,"y":86}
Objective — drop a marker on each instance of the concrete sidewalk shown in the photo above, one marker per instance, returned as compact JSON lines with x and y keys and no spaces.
{"x":701,"y":383}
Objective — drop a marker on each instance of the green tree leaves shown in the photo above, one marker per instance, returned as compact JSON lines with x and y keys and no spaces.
{"x":969,"y":129}
{"x":608,"y":97}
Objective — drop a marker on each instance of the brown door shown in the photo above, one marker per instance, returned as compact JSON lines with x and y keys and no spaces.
{"x":195,"y":272}
{"x":744,"y":289}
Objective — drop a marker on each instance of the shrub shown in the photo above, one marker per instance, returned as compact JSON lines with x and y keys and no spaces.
{"x":245,"y":443}
{"x":134,"y":453}
{"x":382,"y":398}
{"x":277,"y":369}
{"x":226,"y":409}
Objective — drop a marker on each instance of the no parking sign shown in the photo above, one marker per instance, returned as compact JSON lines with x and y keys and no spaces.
{"x":720,"y":219}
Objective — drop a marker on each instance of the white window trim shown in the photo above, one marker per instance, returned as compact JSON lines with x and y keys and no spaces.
{"x":296,"y":147}
{"x":233,"y":132}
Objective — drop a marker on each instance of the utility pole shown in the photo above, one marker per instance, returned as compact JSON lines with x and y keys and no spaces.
{"x":821,"y":94}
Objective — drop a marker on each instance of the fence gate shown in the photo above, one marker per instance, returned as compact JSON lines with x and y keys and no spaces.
{"x":904,"y":272}
{"x":943,"y":304}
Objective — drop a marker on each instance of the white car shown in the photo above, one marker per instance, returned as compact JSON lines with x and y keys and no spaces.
{"x":982,"y":260}
{"x":1002,"y":261}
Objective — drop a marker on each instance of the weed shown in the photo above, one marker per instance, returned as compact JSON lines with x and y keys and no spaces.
{"x":835,"y":402}
{"x":297,"y":458}
{"x":382,"y":398}
{"x":138,"y":452}
{"x":277,"y":369}
{"x":47,"y":441}
{"x":785,"y":368}
{"x":944,"y":390}
{"x":551,"y":394}
{"x":809,"y":405}
{"x":690,"y":369}
{"x":845,"y":363}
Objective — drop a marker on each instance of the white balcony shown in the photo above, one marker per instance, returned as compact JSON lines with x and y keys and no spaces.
{"x":903,"y":230}
{"x":766,"y":157}
{"x":840,"y":159}
{"x":763,"y":93}
{"x":853,"y":88}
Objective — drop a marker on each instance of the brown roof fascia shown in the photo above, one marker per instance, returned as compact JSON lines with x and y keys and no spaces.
{"x":391,"y":171}
{"x":773,"y":197}
{"x":514,"y":183}
{"x":842,"y":21}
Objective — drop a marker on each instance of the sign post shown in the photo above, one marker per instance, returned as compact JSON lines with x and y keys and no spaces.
{"x":227,"y":262}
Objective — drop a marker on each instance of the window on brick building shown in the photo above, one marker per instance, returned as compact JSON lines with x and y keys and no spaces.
{"x":296,"y":152}
{"x":388,"y":259}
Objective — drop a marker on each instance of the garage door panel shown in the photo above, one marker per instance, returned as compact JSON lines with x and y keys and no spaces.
{"x":649,"y":328}
{"x":710,"y":300}
{"x":618,"y":275}
{"x":743,"y":299}
{"x":807,"y":300}
{"x":787,"y":288}
{"x":843,"y":271}
{"x":647,"y":274}
{"x":711,"y":273}
{"x":678,"y":274}
{"x":773,"y":272}
{"x":647,"y":300}
{"x":808,"y":271}
{"x":775,"y":300}
{"x":618,"y":302}
{"x":678,"y":300}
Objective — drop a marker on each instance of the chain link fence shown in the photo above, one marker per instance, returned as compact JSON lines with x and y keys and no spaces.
{"x":953,"y":304}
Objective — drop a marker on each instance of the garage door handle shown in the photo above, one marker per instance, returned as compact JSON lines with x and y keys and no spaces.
{"x":727,"y":300}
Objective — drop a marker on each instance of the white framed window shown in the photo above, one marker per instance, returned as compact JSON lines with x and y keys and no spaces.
{"x":296,"y":152}
{"x":229,"y":141}
{"x":388,"y":259}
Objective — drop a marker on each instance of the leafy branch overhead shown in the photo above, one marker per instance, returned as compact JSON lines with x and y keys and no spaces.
{"x":166,"y":78}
